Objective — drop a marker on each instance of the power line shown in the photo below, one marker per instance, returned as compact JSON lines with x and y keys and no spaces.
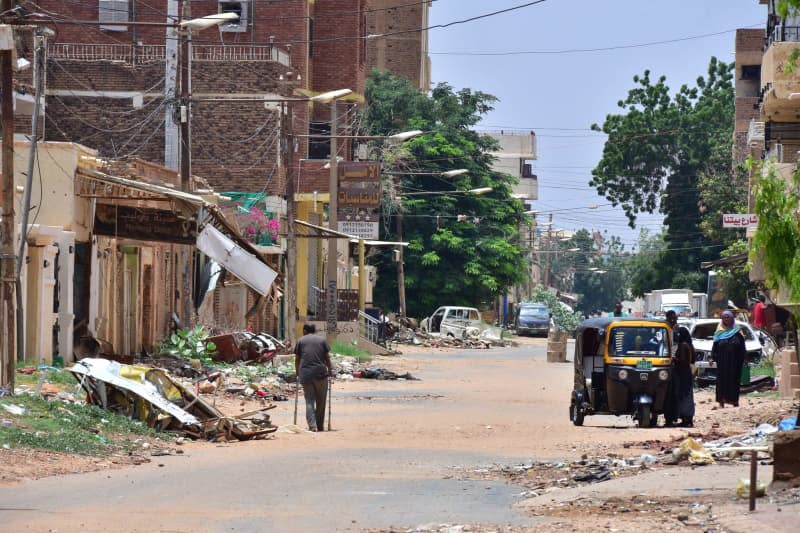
{"x":598,"y":49}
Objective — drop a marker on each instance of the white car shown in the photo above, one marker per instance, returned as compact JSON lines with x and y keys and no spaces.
{"x":702,"y":331}
{"x":453,"y":321}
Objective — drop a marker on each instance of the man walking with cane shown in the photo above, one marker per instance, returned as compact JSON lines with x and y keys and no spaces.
{"x":312,"y":365}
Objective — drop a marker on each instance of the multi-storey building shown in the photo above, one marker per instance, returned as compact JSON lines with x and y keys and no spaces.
{"x":768,"y":127}
{"x":113,"y":82}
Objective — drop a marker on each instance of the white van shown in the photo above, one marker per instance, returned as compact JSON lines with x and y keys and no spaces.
{"x":453,"y":321}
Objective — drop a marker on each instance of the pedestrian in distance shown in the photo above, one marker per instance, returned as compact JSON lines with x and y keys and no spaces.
{"x":618,"y":310}
{"x":758,"y":313}
{"x":729,"y":352}
{"x":312,"y":365}
{"x":681,"y":390}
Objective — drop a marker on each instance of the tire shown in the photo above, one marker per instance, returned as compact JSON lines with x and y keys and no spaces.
{"x":576,"y":414}
{"x":645,"y":418}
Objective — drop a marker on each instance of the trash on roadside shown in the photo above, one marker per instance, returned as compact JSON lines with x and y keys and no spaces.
{"x":743,"y":488}
{"x":13,"y":409}
{"x":381,"y":373}
{"x":154,"y":397}
{"x":700,"y":457}
{"x":788,"y":424}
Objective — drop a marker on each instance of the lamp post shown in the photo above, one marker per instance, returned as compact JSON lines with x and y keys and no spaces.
{"x":401,"y":279}
{"x":186,"y":27}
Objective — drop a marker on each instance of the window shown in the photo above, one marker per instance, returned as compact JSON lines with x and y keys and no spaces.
{"x":751,"y":72}
{"x":319,"y":148}
{"x":240,"y":8}
{"x":110,"y":11}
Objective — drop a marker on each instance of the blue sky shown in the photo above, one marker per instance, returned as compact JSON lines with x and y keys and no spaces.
{"x":560,"y":95}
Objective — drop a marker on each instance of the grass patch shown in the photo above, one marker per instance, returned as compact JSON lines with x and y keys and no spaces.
{"x":349,"y":350}
{"x":57,"y":376}
{"x":764,"y":368}
{"x":70,"y":428}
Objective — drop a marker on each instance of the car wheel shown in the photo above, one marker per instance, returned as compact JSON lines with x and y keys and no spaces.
{"x":576,"y":414}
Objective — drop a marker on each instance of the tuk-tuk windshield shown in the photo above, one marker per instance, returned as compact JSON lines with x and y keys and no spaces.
{"x":638,"y":341}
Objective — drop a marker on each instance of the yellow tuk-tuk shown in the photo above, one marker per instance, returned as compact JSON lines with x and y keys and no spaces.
{"x":623,"y":366}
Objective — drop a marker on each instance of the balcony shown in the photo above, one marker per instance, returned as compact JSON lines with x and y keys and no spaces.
{"x":138,"y":55}
{"x":780,"y":91}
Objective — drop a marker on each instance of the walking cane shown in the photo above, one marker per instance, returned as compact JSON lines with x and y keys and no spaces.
{"x":296,"y":394}
{"x":330,"y":400}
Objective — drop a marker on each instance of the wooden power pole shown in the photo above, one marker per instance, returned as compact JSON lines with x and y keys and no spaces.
{"x":7,"y":257}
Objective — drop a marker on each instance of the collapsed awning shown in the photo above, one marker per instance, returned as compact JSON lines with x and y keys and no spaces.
{"x":213,"y":234}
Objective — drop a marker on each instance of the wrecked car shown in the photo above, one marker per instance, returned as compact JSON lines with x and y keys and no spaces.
{"x":453,"y":321}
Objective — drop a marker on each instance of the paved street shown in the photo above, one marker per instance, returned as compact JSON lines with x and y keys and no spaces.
{"x":391,"y":461}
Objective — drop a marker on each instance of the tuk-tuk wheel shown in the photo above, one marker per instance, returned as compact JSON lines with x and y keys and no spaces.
{"x":576,"y":414}
{"x":644,"y":416}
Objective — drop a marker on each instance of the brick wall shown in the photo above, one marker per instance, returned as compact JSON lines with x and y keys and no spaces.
{"x":233,"y":143}
{"x":339,"y":53}
{"x":403,"y":54}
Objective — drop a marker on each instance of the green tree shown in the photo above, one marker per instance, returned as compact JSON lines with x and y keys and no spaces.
{"x":599,"y":279}
{"x":658,"y":153}
{"x":463,"y":249}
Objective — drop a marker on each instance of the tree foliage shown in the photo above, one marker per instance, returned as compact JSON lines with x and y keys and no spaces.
{"x":598,"y":277}
{"x":463,"y":249}
{"x":777,"y":237}
{"x":671,"y":153}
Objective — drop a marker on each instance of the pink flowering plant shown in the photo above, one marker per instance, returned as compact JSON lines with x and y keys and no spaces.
{"x":257,"y":227}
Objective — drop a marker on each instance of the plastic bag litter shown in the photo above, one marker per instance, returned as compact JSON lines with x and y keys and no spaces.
{"x":788,"y":424}
{"x":686,"y":447}
{"x":743,"y":488}
{"x":700,"y":457}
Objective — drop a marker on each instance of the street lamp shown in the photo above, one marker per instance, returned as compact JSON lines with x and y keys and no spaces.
{"x":187,"y":26}
{"x":401,"y":280}
{"x":475,"y":192}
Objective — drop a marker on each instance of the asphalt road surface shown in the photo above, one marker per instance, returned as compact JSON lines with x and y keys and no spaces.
{"x":389,"y":463}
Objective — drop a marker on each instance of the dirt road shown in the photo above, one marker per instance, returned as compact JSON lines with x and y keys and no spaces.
{"x":403,"y":454}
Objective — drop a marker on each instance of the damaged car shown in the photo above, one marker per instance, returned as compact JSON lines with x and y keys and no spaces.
{"x":453,"y":321}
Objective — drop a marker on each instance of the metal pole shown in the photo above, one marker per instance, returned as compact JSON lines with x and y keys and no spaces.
{"x":39,"y":44}
{"x":753,"y":478}
{"x":362,"y":277}
{"x":291,"y":240}
{"x":333,"y":206}
{"x":7,"y":258}
{"x":547,"y":257}
{"x":401,"y":275}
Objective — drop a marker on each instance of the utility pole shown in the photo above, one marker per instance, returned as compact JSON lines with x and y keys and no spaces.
{"x":291,"y":239}
{"x":401,"y":274}
{"x":186,"y":105}
{"x":7,"y":257}
{"x":333,"y":256}
{"x":548,"y":251}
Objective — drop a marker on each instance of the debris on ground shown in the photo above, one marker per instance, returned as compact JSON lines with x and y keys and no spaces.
{"x":154,"y":397}
{"x":381,"y":374}
{"x":246,"y":346}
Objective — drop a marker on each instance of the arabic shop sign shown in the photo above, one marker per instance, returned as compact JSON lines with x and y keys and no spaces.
{"x":359,"y":198}
{"x":144,"y":224}
{"x":739,"y":221}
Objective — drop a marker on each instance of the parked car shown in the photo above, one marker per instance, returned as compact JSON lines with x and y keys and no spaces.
{"x":532,"y":319}
{"x":702,"y":331}
{"x":452,"y":321}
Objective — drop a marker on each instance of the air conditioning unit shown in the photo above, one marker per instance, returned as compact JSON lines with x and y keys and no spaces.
{"x":755,"y":132}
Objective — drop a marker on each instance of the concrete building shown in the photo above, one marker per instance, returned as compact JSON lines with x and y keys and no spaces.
{"x":517,"y":151}
{"x":768,"y":128}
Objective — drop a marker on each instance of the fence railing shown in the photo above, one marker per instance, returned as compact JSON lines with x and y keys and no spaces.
{"x":149,"y":53}
{"x":370,"y":328}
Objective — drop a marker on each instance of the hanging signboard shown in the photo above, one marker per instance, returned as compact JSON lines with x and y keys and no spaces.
{"x":739,"y":221}
{"x":144,"y":224}
{"x":359,"y":198}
